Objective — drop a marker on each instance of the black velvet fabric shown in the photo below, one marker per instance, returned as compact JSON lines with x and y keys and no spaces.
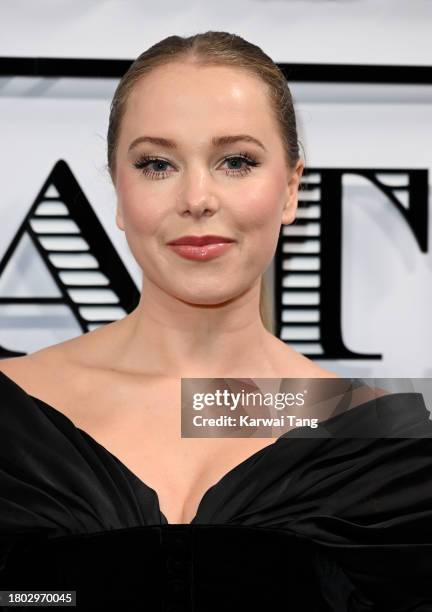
{"x":325,"y":523}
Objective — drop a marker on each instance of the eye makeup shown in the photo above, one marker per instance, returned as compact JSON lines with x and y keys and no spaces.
{"x":244,"y":160}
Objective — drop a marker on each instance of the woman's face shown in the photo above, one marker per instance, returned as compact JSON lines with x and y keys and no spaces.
{"x":239,"y":189}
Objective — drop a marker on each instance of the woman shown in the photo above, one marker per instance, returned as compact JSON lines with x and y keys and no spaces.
{"x":100,"y":493}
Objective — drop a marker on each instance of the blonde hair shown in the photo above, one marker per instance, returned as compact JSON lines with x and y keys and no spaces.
{"x":219,"y":49}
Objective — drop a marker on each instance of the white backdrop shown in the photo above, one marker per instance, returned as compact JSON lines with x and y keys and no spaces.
{"x":334,"y":31}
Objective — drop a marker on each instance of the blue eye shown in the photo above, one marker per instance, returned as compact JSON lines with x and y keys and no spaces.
{"x":242,"y":164}
{"x":144,"y":163}
{"x":155,"y":167}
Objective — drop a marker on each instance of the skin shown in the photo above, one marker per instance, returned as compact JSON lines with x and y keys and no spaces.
{"x":192,"y":314}
{"x":121,"y":382}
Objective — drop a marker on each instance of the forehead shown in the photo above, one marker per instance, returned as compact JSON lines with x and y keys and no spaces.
{"x":177,"y":97}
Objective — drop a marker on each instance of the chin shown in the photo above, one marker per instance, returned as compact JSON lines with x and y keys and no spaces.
{"x":204,"y":298}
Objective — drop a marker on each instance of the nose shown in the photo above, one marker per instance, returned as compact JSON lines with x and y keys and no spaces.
{"x":197,"y":196}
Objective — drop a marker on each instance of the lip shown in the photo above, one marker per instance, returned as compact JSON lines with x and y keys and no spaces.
{"x":201,"y":253}
{"x":200,"y":241}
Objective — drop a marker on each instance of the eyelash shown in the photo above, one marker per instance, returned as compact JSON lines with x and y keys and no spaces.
{"x":143,"y":162}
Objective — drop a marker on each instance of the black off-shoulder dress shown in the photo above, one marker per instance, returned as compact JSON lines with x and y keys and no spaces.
{"x":324,"y":523}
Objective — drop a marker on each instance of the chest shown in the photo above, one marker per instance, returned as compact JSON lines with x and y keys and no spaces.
{"x":141,"y":426}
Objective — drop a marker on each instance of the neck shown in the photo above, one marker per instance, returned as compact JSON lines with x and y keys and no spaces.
{"x":165,"y":336}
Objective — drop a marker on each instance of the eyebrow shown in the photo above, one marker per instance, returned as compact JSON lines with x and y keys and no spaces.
{"x":217,"y":141}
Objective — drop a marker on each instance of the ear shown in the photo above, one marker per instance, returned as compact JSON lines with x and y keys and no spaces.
{"x":119,"y":217}
{"x":290,"y":208}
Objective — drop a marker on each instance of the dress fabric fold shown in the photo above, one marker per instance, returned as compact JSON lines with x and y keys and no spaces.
{"x":324,"y":523}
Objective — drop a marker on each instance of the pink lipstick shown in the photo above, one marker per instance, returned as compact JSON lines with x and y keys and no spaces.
{"x":201,"y":248}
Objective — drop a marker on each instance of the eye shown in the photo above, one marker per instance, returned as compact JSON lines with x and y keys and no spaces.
{"x":155,"y":167}
{"x":239,"y":161}
{"x":144,"y":163}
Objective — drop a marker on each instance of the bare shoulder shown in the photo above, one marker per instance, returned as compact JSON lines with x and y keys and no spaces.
{"x":50,"y":371}
{"x":24,"y":371}
{"x":37,"y":376}
{"x":293,"y":364}
{"x":88,"y":348}
{"x":300,"y":366}
{"x":317,"y":371}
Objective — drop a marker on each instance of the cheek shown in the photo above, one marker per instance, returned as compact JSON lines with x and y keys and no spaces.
{"x":261,"y":206}
{"x":140,"y":210}
{"x":125,"y":184}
